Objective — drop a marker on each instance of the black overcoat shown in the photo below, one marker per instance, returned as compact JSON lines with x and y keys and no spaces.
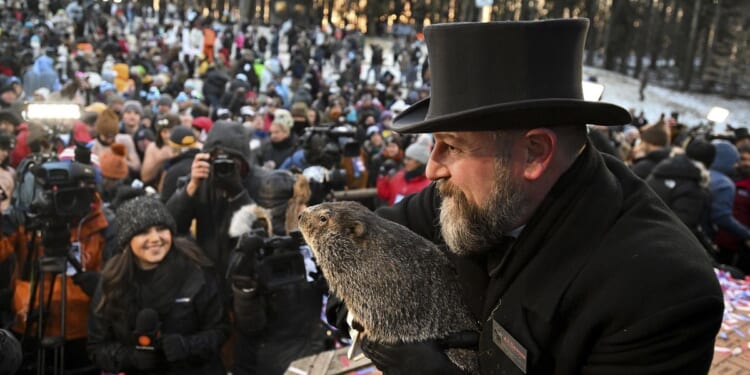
{"x":603,"y":279}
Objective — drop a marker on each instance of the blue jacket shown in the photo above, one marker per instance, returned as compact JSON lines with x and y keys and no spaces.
{"x":722,"y":191}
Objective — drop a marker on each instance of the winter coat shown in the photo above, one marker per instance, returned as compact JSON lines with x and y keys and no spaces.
{"x":278,"y":152}
{"x":741,"y":212}
{"x":212,"y":210}
{"x":178,"y":167}
{"x":215,"y":83}
{"x":642,"y":167}
{"x":187,"y":302}
{"x":41,"y":74}
{"x":293,"y":330}
{"x":602,"y":279}
{"x":393,"y":189}
{"x":722,"y":191}
{"x":91,"y":239}
{"x":683,"y":185}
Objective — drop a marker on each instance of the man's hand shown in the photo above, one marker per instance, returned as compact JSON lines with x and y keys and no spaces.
{"x":199,"y":171}
{"x":409,"y":358}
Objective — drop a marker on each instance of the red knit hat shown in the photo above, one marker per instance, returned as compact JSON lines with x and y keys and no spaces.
{"x":204,"y":123}
{"x":113,"y":163}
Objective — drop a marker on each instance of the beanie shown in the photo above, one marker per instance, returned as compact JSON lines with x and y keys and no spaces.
{"x":112,"y":162}
{"x":165,"y":99}
{"x":96,"y":107}
{"x":133,"y":106}
{"x":107,"y":123}
{"x":181,"y":136}
{"x":418,"y":152}
{"x":702,"y":151}
{"x":203,"y":123}
{"x":656,"y":134}
{"x":284,"y":118}
{"x":139,"y":214}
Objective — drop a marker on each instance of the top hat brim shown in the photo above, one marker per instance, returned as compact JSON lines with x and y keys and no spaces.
{"x":543,"y":113}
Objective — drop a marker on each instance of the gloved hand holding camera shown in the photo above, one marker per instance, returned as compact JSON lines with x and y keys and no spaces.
{"x":225,"y":173}
{"x":220,"y":168}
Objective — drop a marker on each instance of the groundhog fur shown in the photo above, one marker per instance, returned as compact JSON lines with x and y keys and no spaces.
{"x":397,"y":284}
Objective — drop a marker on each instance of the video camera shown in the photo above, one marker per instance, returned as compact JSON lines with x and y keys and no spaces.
{"x":67,"y":189}
{"x":63,"y":190}
{"x":268,"y":263}
{"x":325,"y":145}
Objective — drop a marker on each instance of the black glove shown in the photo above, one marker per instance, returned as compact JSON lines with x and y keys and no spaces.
{"x":144,"y":359}
{"x":413,"y":358}
{"x":336,"y":314}
{"x":174,"y":347}
{"x":87,"y":281}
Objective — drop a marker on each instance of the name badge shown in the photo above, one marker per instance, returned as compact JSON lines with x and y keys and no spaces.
{"x":509,"y":345}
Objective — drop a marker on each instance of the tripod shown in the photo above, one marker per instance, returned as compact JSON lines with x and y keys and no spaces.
{"x":53,"y":263}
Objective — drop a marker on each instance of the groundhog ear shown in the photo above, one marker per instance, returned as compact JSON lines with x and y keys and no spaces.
{"x":357,"y":229}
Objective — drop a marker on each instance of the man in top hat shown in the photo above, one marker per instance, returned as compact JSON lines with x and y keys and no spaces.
{"x":568,"y":261}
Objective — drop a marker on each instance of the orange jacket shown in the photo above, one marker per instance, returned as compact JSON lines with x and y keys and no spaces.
{"x":91,"y":239}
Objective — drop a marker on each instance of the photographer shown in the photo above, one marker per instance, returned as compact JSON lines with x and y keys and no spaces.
{"x":71,"y":211}
{"x":277,"y":321}
{"x":222,"y":179}
{"x":156,"y":311}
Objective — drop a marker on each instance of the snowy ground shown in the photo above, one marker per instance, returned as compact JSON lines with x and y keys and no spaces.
{"x":622,"y":90}
{"x":692,"y":107}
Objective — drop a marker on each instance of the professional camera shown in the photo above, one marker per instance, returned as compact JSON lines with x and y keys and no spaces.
{"x":67,"y":190}
{"x":325,"y":145}
{"x":63,"y":191}
{"x":268,"y":263}
{"x":222,"y":165}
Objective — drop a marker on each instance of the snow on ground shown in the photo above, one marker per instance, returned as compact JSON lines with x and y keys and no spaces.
{"x":621,"y":90}
{"x":692,"y":107}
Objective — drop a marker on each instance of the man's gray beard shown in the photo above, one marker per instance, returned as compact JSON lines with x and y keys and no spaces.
{"x":469,"y":229}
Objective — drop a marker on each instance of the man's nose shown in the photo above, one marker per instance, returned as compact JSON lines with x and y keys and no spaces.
{"x":436,"y":170}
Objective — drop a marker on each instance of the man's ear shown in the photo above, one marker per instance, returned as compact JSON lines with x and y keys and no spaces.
{"x":540,"y":146}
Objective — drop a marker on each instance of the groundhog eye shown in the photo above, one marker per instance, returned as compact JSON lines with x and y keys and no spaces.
{"x":323,"y":219}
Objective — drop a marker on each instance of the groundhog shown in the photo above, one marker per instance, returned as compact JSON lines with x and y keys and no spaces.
{"x":398,"y":285}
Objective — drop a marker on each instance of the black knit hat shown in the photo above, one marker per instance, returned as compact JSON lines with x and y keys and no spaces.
{"x":702,"y":151}
{"x":138,"y":214}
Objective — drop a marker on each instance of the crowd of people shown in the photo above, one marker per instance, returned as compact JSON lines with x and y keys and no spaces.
{"x":196,"y":125}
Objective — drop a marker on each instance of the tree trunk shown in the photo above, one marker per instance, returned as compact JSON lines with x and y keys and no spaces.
{"x":609,"y":51}
{"x":689,"y":63}
{"x":658,"y":35}
{"x":644,"y":38}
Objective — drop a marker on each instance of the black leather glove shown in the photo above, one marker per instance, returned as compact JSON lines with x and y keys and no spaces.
{"x":336,"y":314}
{"x":87,"y":281}
{"x":174,"y":347}
{"x":412,"y":358}
{"x":144,"y":359}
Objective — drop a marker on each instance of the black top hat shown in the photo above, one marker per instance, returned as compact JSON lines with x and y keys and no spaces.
{"x":502,"y":75}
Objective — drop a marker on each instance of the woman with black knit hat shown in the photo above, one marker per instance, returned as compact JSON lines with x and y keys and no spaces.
{"x":155,"y":311}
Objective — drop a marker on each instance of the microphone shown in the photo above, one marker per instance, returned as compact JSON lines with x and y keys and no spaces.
{"x":147,"y":329}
